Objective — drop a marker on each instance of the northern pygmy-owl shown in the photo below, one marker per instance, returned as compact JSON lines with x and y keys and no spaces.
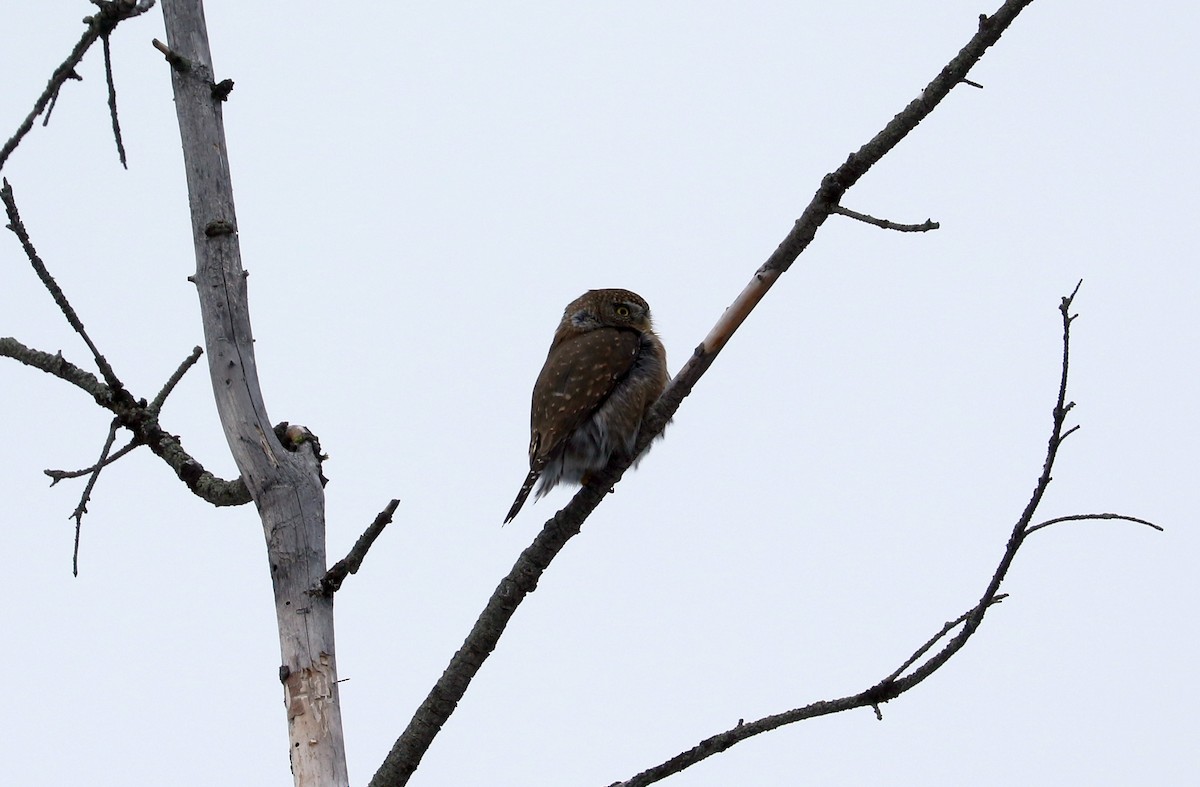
{"x":604,"y":370}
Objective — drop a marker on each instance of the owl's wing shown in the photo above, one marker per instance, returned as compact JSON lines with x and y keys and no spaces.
{"x":579,"y":374}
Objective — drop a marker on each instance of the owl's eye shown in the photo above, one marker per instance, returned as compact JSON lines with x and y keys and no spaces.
{"x":621,"y":310}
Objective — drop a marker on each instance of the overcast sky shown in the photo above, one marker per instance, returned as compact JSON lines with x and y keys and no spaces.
{"x":422,"y":188}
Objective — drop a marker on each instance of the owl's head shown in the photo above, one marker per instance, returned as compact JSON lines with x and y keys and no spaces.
{"x":607,"y":308}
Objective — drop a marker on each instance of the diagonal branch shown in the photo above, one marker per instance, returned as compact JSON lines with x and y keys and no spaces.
{"x":405,"y":755}
{"x":946,"y":629}
{"x":100,"y":24}
{"x":172,"y":381}
{"x":60,"y":298}
{"x":54,"y":99}
{"x":352,"y":562}
{"x":894,"y":685}
{"x":871,"y":698}
{"x":60,"y":475}
{"x":81,"y":509}
{"x":59,"y":367}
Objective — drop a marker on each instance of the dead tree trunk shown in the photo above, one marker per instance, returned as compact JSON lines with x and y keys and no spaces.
{"x":285,"y":484}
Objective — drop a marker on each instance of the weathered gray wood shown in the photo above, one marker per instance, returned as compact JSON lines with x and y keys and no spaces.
{"x":285,"y":485}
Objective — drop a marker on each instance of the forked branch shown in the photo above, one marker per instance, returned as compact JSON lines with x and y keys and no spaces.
{"x":135,"y":414}
{"x":917,"y":667}
{"x":140,"y":418}
{"x":100,"y":25}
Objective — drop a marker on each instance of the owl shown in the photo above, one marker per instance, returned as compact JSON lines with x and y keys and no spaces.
{"x":604,"y":370}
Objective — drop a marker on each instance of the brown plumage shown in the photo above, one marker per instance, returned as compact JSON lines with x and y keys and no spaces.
{"x":604,"y":370}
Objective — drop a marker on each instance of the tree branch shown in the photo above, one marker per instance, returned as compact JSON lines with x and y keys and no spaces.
{"x":138,"y":417}
{"x":894,"y":685}
{"x":60,"y":475}
{"x":100,"y":24}
{"x":926,"y":226}
{"x":59,"y":367}
{"x":946,"y":629}
{"x":81,"y":509}
{"x":336,"y":575}
{"x":1087,"y":517}
{"x":402,"y":761}
{"x":172,"y":381}
{"x":870,"y":698}
{"x":60,"y":298}
{"x":112,"y":101}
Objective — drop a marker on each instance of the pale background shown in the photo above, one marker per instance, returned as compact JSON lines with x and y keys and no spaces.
{"x":420,"y":190}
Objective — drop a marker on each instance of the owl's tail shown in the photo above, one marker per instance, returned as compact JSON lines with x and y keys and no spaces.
{"x":526,"y":488}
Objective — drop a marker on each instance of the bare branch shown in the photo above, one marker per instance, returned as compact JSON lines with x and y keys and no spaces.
{"x":926,"y":226}
{"x":112,"y":101}
{"x":176,"y":61}
{"x":59,"y":367}
{"x":894,"y":685}
{"x":887,"y":689}
{"x":59,"y":475}
{"x":173,"y":380}
{"x":101,"y":24}
{"x":405,"y":755}
{"x":1086,"y":517}
{"x":946,"y":629}
{"x":138,"y":417}
{"x":54,"y":99}
{"x":18,"y":228}
{"x":81,"y":509}
{"x":336,"y":575}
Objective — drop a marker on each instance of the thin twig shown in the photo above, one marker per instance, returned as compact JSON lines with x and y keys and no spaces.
{"x":59,"y":475}
{"x":946,"y":629}
{"x":925,"y":226}
{"x":157,"y":404}
{"x":111,"y":14}
{"x":54,"y":99}
{"x":18,"y":228}
{"x":336,"y":575}
{"x":112,"y":101}
{"x":1085,"y":517}
{"x":81,"y":509}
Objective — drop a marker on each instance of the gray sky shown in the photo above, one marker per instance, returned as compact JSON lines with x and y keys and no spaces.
{"x":422,"y":189}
